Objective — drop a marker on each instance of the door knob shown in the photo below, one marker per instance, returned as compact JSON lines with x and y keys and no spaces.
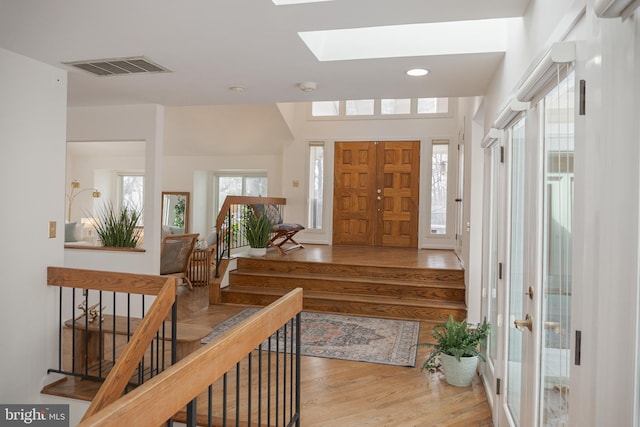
{"x":378,"y":198}
{"x":526,"y":323}
{"x":379,"y":191}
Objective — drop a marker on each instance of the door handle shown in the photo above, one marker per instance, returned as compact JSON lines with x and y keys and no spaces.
{"x":526,"y":323}
{"x":457,"y":200}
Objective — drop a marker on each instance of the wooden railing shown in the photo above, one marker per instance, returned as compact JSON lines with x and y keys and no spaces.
{"x":160,"y":398}
{"x":228,"y":223}
{"x":87,"y":330}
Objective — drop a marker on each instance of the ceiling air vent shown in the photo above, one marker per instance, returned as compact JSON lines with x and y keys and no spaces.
{"x":119,"y":66}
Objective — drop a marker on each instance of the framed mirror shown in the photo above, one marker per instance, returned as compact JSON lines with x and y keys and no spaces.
{"x":175,"y":212}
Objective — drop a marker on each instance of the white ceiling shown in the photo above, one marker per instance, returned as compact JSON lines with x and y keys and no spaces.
{"x":211,"y":45}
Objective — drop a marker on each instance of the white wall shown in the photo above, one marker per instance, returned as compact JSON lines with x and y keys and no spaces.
{"x":125,"y":123}
{"x":32,"y":136}
{"x":472,"y":207}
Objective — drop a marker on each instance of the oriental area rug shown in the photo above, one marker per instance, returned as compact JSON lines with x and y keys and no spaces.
{"x":334,"y":336}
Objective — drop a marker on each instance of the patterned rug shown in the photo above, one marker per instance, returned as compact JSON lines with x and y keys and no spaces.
{"x":363,"y":339}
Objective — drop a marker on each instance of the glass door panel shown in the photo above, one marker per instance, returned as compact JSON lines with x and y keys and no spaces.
{"x":557,"y":253}
{"x":516,"y":272}
{"x":492,"y":278}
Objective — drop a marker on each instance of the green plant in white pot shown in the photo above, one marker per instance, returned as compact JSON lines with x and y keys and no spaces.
{"x":257,"y":230}
{"x":457,"y":350}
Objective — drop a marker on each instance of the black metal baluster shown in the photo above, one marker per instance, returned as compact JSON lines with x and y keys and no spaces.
{"x":238,"y":394}
{"x":73,"y":330}
{"x":86,"y":332}
{"x":210,"y":407}
{"x":249,"y":377}
{"x":225,"y":390}
{"x":100,"y":334}
{"x":113,"y":335}
{"x":277,"y":376}
{"x":298,"y":360}
{"x":269,"y":384}
{"x":60,"y":329}
{"x":291,"y":353}
{"x":260,"y":384}
{"x":284,"y":376}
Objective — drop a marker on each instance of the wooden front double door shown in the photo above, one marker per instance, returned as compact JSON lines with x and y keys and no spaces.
{"x":375,"y":194}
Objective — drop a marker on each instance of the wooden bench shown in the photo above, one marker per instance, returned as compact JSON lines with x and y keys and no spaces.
{"x":187,"y":340}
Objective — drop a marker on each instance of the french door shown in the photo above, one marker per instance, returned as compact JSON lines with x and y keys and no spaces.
{"x":376,"y":191}
{"x":538,"y":279}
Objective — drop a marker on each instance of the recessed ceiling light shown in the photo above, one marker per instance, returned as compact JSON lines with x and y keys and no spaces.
{"x":417,"y":72}
{"x":236,"y":89}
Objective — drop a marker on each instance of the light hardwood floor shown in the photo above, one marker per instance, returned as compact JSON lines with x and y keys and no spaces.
{"x":354,"y":394}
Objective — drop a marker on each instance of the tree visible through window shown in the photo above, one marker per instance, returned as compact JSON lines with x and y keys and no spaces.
{"x":439,"y":171}
{"x":132,"y":193}
{"x":316,"y":184}
{"x":241,"y":184}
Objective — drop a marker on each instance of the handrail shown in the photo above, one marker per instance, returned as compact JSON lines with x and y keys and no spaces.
{"x":224,"y":232}
{"x":143,"y":284}
{"x":118,"y":378}
{"x":164,"y":395}
{"x":244,"y":200}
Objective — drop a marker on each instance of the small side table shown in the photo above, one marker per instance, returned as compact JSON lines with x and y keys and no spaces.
{"x":200,"y":267}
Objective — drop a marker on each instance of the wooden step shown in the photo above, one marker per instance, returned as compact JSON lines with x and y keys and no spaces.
{"x":362,"y":305}
{"x":359,"y":285}
{"x":446,"y":277}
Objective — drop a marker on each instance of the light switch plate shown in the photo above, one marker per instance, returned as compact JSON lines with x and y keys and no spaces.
{"x":52,"y":229}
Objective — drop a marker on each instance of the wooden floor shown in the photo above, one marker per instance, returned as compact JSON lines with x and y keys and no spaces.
{"x":367,"y":255}
{"x":356,"y":394}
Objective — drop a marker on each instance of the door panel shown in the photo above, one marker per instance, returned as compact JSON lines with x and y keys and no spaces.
{"x":398,"y":173}
{"x":354,"y":193}
{"x":376,"y":192}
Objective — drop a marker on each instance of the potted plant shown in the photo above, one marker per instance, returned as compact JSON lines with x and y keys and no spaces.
{"x":457,"y":350}
{"x":257,"y":230}
{"x":118,"y":228}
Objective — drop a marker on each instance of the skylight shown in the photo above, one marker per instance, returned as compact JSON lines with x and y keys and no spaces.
{"x":441,"y":38}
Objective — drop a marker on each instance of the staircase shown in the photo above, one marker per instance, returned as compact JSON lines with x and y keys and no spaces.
{"x":363,"y":290}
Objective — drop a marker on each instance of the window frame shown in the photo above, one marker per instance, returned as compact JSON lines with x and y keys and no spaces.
{"x":244,"y":174}
{"x":377,"y":112}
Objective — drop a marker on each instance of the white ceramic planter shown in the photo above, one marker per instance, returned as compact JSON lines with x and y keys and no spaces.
{"x":256,"y":252}
{"x":460,"y":373}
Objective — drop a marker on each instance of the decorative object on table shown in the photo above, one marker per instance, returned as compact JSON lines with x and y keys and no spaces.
{"x":457,"y":350}
{"x":257,"y":230}
{"x":92,"y":313}
{"x":118,"y":228}
{"x":70,"y":228}
{"x":336,"y":336}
